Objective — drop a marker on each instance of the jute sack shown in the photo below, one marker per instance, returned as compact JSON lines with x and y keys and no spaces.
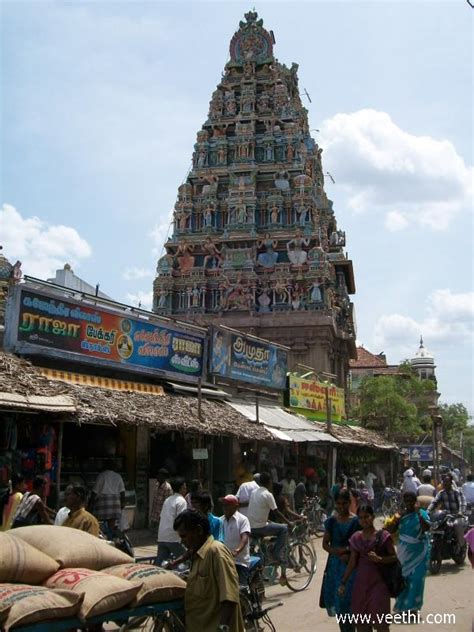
{"x":102,"y":592}
{"x":158,"y":585}
{"x":21,"y":562}
{"x":4,"y":610}
{"x":31,"y":604}
{"x":72,"y":548}
{"x":424,"y":501}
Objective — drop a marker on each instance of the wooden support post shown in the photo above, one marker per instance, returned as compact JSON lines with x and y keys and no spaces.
{"x":199,"y":399}
{"x":59,"y":463}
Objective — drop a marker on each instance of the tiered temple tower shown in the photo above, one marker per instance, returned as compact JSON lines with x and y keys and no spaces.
{"x":256,"y":244}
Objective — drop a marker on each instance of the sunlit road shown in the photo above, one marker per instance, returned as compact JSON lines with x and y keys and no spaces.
{"x":450,"y":592}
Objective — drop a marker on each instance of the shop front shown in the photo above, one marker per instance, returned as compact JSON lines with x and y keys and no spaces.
{"x":362,"y":451}
{"x":300,"y":445}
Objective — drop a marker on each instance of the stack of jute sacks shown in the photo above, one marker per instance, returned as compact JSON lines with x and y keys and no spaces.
{"x":51,"y":572}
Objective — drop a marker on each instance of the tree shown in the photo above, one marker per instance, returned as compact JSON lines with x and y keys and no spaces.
{"x":397,"y":405}
{"x":456,"y":431}
{"x":455,"y":419}
{"x":468,"y":445}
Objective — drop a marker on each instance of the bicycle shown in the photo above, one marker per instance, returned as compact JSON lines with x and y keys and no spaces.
{"x":113,"y":534}
{"x":391,"y":501}
{"x":252,"y":593}
{"x":298,"y":560}
{"x":300,"y":532}
{"x":315,"y":515}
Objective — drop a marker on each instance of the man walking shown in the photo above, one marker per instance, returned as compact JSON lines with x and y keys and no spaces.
{"x":236,"y":534}
{"x":162,"y":492}
{"x":212,"y":600}
{"x":261,"y":503}
{"x":108,"y":494}
{"x":169,"y":543}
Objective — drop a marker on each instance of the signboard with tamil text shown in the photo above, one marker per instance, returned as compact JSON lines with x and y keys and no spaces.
{"x":46,"y":323}
{"x":308,"y":396}
{"x":247,"y":359}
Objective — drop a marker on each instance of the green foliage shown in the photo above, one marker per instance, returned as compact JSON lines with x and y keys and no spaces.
{"x":397,"y":405}
{"x":468,"y":445}
{"x":456,"y":430}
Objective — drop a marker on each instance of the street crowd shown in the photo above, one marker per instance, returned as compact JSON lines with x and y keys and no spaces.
{"x":364,"y":569}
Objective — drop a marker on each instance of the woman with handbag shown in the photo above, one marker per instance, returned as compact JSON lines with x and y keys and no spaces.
{"x":413,"y":552}
{"x":338,"y":529}
{"x":370,"y":550}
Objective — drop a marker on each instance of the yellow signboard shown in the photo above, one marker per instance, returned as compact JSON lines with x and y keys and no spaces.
{"x":309,"y":397}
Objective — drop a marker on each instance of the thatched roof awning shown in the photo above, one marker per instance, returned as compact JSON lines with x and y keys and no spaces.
{"x":52,"y":404}
{"x":164,"y":413}
{"x":355,"y":435}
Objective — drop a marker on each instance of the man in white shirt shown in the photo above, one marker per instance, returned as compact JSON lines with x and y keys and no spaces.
{"x":409,"y":483}
{"x":244,"y":492}
{"x":288,"y":488}
{"x":468,"y":489}
{"x":108,"y":495}
{"x":426,"y":488}
{"x":236,"y":534}
{"x":169,"y":542}
{"x":369,"y":478}
{"x":261,"y":503}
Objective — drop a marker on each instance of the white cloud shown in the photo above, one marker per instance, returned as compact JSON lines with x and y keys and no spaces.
{"x":395,"y":221}
{"x":449,"y":319}
{"x":382,"y":167}
{"x":140,"y":298}
{"x":160,"y":234}
{"x":41,"y":247}
{"x":132,"y":273}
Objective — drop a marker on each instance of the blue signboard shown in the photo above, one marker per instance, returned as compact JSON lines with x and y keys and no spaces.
{"x":45,"y":323}
{"x":248,"y":359}
{"x":420,"y":453}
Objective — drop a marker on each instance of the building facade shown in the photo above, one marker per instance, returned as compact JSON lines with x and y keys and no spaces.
{"x":256,"y":245}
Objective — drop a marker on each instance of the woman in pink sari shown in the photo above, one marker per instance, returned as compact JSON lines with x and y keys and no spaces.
{"x":369,"y":549}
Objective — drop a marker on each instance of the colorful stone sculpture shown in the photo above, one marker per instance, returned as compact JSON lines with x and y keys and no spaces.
{"x":254,"y":230}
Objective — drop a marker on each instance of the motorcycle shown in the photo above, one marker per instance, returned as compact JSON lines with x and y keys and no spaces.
{"x":444,"y":543}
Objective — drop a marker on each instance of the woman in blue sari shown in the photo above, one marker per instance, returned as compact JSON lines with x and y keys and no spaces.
{"x":414,"y":554}
{"x":338,"y":529}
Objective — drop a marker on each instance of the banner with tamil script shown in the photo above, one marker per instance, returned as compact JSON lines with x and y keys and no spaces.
{"x":47,"y":321}
{"x":308,"y":396}
{"x":247,"y":359}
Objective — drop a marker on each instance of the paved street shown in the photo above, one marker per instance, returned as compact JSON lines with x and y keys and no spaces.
{"x":450,"y":592}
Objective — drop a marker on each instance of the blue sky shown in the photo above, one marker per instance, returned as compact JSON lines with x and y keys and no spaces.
{"x":102,"y":101}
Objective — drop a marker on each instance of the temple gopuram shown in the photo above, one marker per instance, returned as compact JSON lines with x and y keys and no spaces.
{"x":256,"y":245}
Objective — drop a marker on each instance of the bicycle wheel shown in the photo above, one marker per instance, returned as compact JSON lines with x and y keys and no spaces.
{"x":301,"y":567}
{"x":250,"y":623}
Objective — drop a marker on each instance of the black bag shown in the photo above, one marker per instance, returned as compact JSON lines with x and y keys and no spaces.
{"x":391,"y":573}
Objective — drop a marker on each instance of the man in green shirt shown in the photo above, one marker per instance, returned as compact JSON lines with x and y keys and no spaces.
{"x":212,"y":602}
